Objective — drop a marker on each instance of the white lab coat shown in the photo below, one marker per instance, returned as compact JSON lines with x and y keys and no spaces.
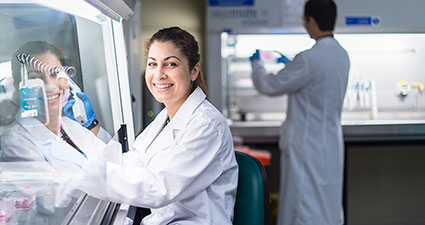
{"x":311,"y":137}
{"x":185,"y":171}
{"x":23,"y":141}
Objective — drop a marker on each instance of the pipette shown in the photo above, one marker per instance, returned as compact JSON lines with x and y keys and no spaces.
{"x":58,"y":131}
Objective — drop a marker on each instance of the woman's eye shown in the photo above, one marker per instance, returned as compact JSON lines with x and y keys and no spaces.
{"x":171,"y":64}
{"x":151,"y":64}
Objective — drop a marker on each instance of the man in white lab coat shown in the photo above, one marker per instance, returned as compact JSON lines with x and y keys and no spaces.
{"x":311,"y":137}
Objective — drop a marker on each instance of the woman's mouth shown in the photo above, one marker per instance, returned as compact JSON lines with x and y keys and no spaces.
{"x":162,"y":86}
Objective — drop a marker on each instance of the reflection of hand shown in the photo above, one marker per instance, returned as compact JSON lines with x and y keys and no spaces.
{"x":255,"y":56}
{"x":282,"y":59}
{"x":63,"y":85}
{"x":63,"y":157}
{"x":62,"y":82}
{"x":91,"y":115}
{"x":69,"y":164}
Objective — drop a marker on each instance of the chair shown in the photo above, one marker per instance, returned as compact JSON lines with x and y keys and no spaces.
{"x":252,"y":206}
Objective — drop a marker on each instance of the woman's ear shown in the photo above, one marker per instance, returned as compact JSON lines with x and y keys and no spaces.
{"x":195,"y":72}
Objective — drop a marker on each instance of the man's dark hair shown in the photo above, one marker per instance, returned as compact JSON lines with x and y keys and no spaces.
{"x":323,"y":11}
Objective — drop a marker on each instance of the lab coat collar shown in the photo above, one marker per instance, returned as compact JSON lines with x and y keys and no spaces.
{"x":183,"y":115}
{"x":170,"y":131}
{"x":325,"y":40}
{"x":166,"y":135}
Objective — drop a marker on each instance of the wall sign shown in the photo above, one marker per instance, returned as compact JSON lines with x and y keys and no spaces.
{"x":362,"y":21}
{"x":231,"y":14}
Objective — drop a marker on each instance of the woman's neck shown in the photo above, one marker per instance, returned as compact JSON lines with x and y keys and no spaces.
{"x":173,"y":108}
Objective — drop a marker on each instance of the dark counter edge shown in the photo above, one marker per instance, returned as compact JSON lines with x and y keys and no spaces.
{"x":269,"y":132}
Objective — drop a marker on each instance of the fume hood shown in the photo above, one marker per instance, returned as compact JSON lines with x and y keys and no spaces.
{"x":93,"y":45}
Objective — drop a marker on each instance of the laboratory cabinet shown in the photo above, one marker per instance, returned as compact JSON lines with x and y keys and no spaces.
{"x":41,"y":41}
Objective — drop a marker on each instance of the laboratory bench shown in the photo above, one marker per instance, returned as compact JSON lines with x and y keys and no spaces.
{"x":353,"y":131}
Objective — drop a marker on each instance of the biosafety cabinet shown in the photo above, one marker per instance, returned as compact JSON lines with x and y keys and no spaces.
{"x":386,"y":50}
{"x":88,"y":37}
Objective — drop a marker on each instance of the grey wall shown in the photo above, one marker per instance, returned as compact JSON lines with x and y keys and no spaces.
{"x":157,"y":14}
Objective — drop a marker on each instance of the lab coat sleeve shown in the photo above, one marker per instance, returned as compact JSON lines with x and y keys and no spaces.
{"x":182,"y":171}
{"x":289,"y":79}
{"x":104,"y":135}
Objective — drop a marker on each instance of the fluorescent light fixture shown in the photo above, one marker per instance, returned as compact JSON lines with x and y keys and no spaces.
{"x":74,"y":7}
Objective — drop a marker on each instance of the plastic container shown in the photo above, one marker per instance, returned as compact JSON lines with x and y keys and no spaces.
{"x":24,"y":199}
{"x":269,"y":56}
{"x":7,"y":209}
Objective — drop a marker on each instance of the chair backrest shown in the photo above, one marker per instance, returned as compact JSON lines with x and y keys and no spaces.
{"x":252,"y":206}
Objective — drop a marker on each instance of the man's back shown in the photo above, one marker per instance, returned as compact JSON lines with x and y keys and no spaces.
{"x":315,"y":107}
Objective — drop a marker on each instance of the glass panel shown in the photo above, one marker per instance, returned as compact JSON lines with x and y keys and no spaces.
{"x":38,"y":44}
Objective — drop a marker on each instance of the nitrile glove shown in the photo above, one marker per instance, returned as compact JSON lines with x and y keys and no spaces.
{"x":255,"y":56}
{"x":91,"y":116}
{"x":282,"y":59}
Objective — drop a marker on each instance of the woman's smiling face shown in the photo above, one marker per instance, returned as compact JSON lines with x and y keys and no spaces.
{"x":168,"y":75}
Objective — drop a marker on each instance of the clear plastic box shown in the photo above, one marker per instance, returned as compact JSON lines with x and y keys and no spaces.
{"x":7,"y":209}
{"x":23,"y":200}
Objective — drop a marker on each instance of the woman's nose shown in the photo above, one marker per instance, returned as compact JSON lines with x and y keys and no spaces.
{"x":160,"y":74}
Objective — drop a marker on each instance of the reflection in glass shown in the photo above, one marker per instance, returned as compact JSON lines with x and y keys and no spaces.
{"x":50,"y":37}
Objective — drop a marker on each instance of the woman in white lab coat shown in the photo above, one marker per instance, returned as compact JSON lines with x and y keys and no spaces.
{"x":182,"y":166}
{"x":311,"y":137}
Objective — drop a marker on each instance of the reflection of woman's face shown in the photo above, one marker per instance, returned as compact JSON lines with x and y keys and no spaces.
{"x":167,"y":74}
{"x":52,"y":88}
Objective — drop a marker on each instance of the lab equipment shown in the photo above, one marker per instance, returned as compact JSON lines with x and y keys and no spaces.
{"x":58,"y":127}
{"x":268,"y":56}
{"x":32,"y":95}
{"x":33,"y":101}
{"x":38,"y":65}
{"x":78,"y":110}
{"x":7,"y":209}
{"x":403,"y":88}
{"x":23,"y":199}
{"x":33,"y":98}
{"x":85,"y":108}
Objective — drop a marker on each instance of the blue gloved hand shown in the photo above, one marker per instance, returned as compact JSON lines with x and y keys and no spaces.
{"x":91,"y":116}
{"x":255,"y":56}
{"x":282,"y":59}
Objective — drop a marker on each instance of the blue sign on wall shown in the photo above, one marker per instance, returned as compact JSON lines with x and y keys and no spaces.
{"x":362,"y":20}
{"x":231,"y":3}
